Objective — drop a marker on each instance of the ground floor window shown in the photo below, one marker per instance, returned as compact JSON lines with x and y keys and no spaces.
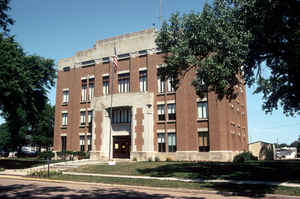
{"x":203,"y":141}
{"x":161,"y":142}
{"x":81,"y":143}
{"x":172,"y":142}
{"x":63,"y":143}
{"x":89,"y":142}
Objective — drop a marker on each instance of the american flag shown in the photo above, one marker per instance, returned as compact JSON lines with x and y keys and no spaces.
{"x":115,"y":61}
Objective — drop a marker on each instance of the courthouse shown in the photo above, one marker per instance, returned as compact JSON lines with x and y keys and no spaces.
{"x":133,"y":113}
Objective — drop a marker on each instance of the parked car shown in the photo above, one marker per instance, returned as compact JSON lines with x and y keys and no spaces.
{"x":26,"y":152}
{"x":4,"y":153}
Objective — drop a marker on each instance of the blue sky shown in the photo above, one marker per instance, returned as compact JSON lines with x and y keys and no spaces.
{"x":57,"y":29}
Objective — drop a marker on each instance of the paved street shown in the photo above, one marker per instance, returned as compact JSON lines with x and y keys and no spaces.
{"x":15,"y":188}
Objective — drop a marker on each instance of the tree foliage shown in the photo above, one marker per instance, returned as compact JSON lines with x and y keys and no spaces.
{"x":24,"y":82}
{"x":5,"y":19}
{"x":230,"y":39}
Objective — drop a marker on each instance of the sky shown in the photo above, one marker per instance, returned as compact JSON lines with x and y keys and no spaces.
{"x":58,"y":29}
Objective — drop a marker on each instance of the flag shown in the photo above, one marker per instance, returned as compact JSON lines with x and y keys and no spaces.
{"x":115,"y":61}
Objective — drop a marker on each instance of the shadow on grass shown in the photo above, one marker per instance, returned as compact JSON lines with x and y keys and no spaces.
{"x":280,"y":171}
{"x":19,"y":164}
{"x":20,"y":190}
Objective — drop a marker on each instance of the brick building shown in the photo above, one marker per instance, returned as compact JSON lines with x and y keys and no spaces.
{"x":149,"y":119}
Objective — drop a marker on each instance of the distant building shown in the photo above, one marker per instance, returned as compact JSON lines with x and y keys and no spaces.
{"x":149,"y":117}
{"x":262,"y":150}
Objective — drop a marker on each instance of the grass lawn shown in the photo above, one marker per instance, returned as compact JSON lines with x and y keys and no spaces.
{"x":282,"y":171}
{"x":21,"y":163}
{"x":245,"y":190}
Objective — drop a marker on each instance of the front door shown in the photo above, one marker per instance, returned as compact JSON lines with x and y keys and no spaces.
{"x":121,"y":147}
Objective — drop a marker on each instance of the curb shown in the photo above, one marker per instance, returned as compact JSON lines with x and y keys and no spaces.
{"x":138,"y":188}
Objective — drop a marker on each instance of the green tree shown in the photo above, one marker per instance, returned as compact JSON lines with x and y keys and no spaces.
{"x":230,"y":39}
{"x":296,"y":144}
{"x":24,"y":82}
{"x":42,"y":132}
{"x":5,"y":19}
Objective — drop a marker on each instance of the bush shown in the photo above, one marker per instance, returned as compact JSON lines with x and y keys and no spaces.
{"x":150,"y":159}
{"x":46,"y":155}
{"x":243,"y":157}
{"x":157,"y":159}
{"x":134,"y":159}
{"x":44,"y":173}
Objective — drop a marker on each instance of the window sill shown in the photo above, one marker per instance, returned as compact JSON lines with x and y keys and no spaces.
{"x":160,"y":94}
{"x":65,"y":104}
{"x":82,"y":102}
{"x":202,"y":119}
{"x":161,"y":122}
{"x":82,"y":126}
{"x":171,"y":93}
{"x":171,"y":121}
{"x":64,"y":127}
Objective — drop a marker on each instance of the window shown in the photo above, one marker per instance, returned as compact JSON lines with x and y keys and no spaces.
{"x":161,"y":112}
{"x":106,"y":85}
{"x":64,"y":119}
{"x":83,"y":90}
{"x":124,"y":56}
{"x":124,"y":83}
{"x":90,"y":117}
{"x":172,"y":111}
{"x":88,"y":63}
{"x":170,"y":86}
{"x":172,"y":142}
{"x":105,"y":60}
{"x":91,"y":88}
{"x":202,"y":110}
{"x":65,"y":96}
{"x":82,"y":117}
{"x":63,"y":143}
{"x":121,"y":116}
{"x":143,"y":81}
{"x":160,"y":84}
{"x":161,"y":142}
{"x":142,"y":52}
{"x":66,"y":68}
{"x":203,"y":141}
{"x":89,"y":139}
{"x":82,"y":143}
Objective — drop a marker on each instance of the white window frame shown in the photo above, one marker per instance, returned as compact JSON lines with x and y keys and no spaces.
{"x":171,"y":89}
{"x":202,"y":110}
{"x":65,"y":96}
{"x":91,"y":88}
{"x":105,"y":85}
{"x":172,"y":140}
{"x":143,"y":81}
{"x":83,"y":92}
{"x":171,"y":110}
{"x":82,"y":118}
{"x":64,"y":121}
{"x":160,"y":85}
{"x":90,"y":116}
{"x":161,"y":111}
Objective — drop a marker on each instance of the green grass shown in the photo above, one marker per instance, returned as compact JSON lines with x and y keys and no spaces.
{"x":282,"y":171}
{"x":22,"y":163}
{"x":246,"y":190}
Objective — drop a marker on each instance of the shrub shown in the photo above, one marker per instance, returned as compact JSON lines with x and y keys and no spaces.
{"x":134,"y":159}
{"x":149,"y":159}
{"x":44,"y":173}
{"x":243,"y":157}
{"x":157,"y":159}
{"x":46,"y":155}
{"x":169,"y":159}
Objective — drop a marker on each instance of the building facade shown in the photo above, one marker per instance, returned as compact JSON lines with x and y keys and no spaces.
{"x":132,"y":113}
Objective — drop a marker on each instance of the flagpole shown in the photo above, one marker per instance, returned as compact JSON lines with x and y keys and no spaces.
{"x":113,"y":69}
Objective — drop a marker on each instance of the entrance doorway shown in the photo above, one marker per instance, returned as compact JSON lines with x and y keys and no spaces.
{"x":121,"y":147}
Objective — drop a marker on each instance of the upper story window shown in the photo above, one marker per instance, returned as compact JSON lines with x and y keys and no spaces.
{"x":142,"y":52}
{"x":105,"y":60}
{"x":120,"y":116}
{"x":64,"y":121}
{"x":160,"y":83}
{"x":83,"y":90}
{"x":88,"y":63}
{"x":82,"y":117}
{"x":66,"y":68}
{"x":105,"y":85}
{"x":170,"y":85}
{"x":161,"y":112}
{"x":172,"y":111}
{"x":65,"y":96}
{"x":90,"y":117}
{"x":143,"y":81}
{"x":202,"y":109}
{"x":89,"y":139}
{"x":124,"y":83}
{"x":124,"y":56}
{"x":91,"y":88}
